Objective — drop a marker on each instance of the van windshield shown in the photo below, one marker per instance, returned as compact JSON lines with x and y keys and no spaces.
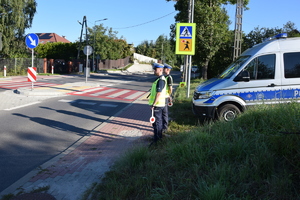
{"x":233,"y":67}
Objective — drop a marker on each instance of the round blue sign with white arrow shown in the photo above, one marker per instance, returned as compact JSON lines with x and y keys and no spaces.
{"x":32,"y":40}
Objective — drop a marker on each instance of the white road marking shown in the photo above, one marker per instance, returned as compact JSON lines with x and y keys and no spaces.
{"x":87,"y":103}
{"x":108,"y":105}
{"x":103,"y":92}
{"x":135,"y":95}
{"x":29,"y":104}
{"x":86,"y":91}
{"x":119,"y":93}
{"x":66,"y":100}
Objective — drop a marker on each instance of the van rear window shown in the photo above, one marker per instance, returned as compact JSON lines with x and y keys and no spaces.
{"x":291,"y":65}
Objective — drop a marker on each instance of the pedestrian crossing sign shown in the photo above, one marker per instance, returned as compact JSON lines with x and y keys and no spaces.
{"x":185,"y":38}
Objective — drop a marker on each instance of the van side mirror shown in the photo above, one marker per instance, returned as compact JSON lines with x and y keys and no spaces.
{"x":244,"y":76}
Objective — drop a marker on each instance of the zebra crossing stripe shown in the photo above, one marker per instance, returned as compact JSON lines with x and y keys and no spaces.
{"x":86,"y":91}
{"x":119,"y":93}
{"x":135,"y":95}
{"x":103,"y":92}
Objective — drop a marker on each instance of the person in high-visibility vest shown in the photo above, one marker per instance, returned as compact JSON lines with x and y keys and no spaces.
{"x":169,"y":90}
{"x":157,"y":100}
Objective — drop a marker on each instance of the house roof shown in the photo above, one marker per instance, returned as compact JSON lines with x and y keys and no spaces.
{"x":51,"y":37}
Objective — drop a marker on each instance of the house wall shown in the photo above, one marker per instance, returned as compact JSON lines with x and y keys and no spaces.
{"x":142,"y":58}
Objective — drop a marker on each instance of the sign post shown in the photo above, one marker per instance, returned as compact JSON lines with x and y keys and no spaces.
{"x":185,"y":45}
{"x":88,"y":50}
{"x":32,"y":41}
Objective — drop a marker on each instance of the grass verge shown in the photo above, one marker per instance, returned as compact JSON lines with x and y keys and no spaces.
{"x":256,"y":156}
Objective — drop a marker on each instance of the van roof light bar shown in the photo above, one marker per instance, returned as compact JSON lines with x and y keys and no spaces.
{"x":278,"y":36}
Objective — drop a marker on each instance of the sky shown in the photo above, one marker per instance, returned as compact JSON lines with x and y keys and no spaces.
{"x":140,"y":20}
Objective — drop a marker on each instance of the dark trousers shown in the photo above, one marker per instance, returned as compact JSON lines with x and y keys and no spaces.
{"x":158,"y":124}
{"x":165,"y":115}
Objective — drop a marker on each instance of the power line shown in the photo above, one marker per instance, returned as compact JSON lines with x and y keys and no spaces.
{"x":146,"y":22}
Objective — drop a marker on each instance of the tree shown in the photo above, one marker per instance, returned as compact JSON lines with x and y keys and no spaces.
{"x":257,"y":35}
{"x":15,"y":17}
{"x":147,"y":48}
{"x":57,"y":50}
{"x":161,"y":49}
{"x":211,"y":28}
{"x":107,"y":44}
{"x":291,"y":29}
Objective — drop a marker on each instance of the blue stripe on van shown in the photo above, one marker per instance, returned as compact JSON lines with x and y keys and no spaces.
{"x":261,"y":95}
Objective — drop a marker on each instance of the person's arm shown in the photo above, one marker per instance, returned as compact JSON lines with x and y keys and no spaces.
{"x":170,"y":88}
{"x":159,"y":88}
{"x":158,"y":94}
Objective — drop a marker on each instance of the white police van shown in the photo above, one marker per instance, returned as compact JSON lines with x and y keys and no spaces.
{"x":267,"y":73}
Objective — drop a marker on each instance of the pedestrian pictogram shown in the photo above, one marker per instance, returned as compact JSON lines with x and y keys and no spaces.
{"x":185,"y":38}
{"x":185,"y":32}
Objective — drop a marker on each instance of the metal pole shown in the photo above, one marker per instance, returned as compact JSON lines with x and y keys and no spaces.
{"x":86,"y":67}
{"x":189,"y":57}
{"x":94,"y":46}
{"x":32,"y":57}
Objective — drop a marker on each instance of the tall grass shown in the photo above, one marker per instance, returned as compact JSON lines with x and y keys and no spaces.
{"x":256,"y":156}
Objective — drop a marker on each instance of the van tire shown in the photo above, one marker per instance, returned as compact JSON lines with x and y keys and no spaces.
{"x":228,"y":112}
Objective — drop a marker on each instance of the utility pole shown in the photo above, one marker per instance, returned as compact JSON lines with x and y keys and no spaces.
{"x":238,"y":29}
{"x":188,"y":58}
{"x":86,"y":36}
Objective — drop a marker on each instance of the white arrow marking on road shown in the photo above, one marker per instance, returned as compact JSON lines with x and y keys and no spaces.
{"x":108,"y":105}
{"x":33,"y":43}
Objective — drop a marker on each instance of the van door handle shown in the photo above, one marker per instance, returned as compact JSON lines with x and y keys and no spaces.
{"x":271,"y":85}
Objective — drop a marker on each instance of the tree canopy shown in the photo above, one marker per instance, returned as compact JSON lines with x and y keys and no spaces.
{"x":107,"y":44}
{"x":212,"y":28}
{"x":15,"y":17}
{"x":162,"y":49}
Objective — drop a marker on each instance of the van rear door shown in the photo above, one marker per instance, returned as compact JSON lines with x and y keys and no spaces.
{"x":291,"y":76}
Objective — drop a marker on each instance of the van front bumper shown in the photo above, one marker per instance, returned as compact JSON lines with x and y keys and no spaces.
{"x":204,"y":112}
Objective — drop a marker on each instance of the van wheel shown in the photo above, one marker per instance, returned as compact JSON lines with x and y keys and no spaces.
{"x":228,"y":112}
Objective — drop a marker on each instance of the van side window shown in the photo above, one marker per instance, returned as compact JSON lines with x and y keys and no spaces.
{"x":291,"y":65}
{"x":262,"y":67}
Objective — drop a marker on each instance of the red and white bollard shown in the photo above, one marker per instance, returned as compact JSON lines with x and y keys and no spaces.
{"x":31,"y":75}
{"x":4,"y":71}
{"x":52,"y":70}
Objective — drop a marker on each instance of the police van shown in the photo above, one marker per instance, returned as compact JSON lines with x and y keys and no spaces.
{"x":267,"y":73}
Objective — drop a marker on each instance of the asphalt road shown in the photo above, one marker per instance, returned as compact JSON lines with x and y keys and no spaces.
{"x":32,"y":135}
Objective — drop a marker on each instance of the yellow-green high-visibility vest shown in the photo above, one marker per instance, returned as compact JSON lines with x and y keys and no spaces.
{"x":162,"y":100}
{"x":167,"y":87}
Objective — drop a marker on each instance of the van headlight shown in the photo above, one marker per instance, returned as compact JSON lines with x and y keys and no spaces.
{"x":203,"y":94}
